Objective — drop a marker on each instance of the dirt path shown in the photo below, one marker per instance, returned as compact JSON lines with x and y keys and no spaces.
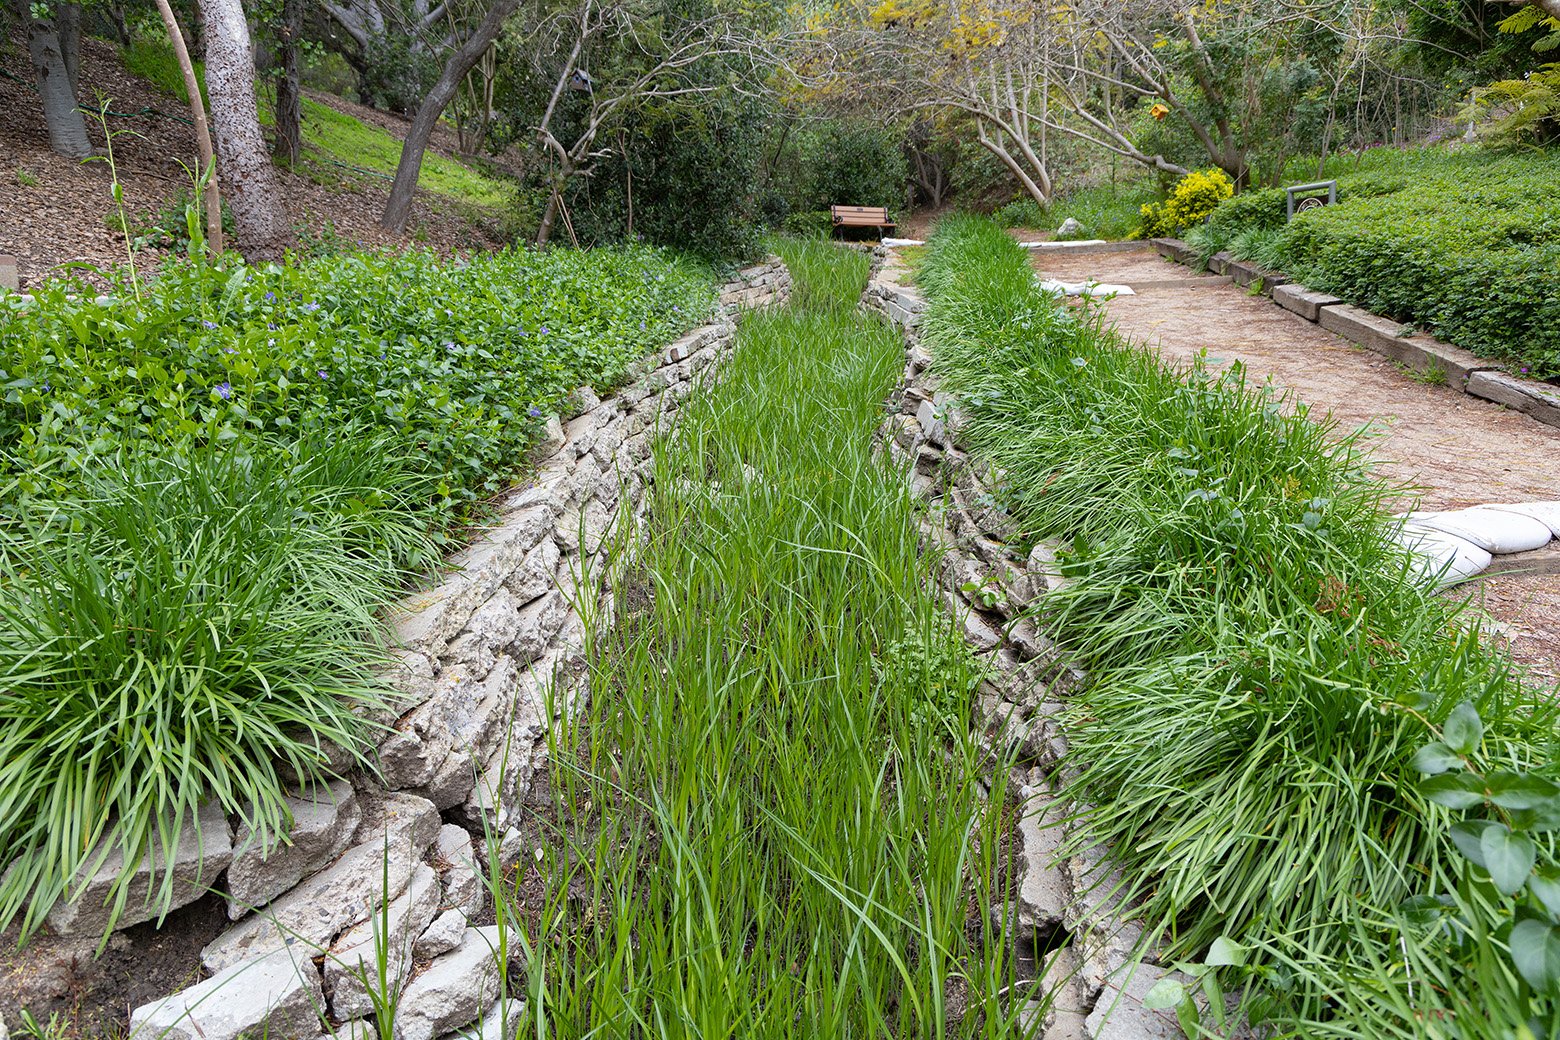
{"x":1458,"y":450}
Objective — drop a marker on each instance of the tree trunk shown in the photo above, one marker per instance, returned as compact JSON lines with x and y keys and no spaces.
{"x":253,"y":189}
{"x":214,"y":241}
{"x":1549,"y":7}
{"x":289,"y":101}
{"x":70,"y":44}
{"x":460,"y":63}
{"x":67,"y":129}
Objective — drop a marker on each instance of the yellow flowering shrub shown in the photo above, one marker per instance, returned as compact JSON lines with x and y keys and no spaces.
{"x":1190,"y":202}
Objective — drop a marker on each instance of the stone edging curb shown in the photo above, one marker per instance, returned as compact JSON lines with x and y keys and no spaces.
{"x":1402,"y":343}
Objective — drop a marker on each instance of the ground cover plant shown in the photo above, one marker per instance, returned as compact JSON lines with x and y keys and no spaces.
{"x":1266,"y":673}
{"x":212,"y":485}
{"x":770,"y":818}
{"x":1105,"y":211}
{"x":1465,"y":243}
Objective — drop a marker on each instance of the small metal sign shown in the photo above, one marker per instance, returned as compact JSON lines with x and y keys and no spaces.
{"x":1301,"y":197}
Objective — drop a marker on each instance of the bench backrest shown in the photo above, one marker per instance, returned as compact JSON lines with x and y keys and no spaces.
{"x":861,"y":216}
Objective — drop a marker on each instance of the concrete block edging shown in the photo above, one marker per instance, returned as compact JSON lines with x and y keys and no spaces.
{"x":1404,"y":344}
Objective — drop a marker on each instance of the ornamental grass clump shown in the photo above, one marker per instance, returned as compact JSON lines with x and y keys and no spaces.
{"x":190,"y":628}
{"x":1265,"y":663}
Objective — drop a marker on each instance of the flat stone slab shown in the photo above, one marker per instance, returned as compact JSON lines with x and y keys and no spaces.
{"x":315,"y":911}
{"x":1174,"y":249}
{"x":324,"y":821}
{"x":205,"y":848}
{"x":455,"y":990}
{"x":352,"y":966}
{"x":277,"y":995}
{"x":1540,"y":400}
{"x":1303,"y":301}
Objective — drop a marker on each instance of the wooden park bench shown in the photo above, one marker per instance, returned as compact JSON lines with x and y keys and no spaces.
{"x":861,"y":217}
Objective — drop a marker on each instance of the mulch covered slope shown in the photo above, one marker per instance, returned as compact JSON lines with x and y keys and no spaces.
{"x":65,"y":217}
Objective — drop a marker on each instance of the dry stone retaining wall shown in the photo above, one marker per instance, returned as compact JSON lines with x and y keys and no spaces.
{"x":1103,"y":965}
{"x":492,"y":662}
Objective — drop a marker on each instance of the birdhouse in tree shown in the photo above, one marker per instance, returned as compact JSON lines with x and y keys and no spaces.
{"x":1159,"y":111}
{"x":581,"y":80}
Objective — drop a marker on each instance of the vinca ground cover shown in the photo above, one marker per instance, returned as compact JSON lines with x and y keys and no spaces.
{"x":771,"y":821}
{"x":1267,"y":676}
{"x":212,"y":485}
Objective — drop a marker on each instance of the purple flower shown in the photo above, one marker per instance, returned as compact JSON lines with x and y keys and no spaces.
{"x":271,"y":325}
{"x":270,"y":297}
{"x":46,"y":386}
{"x":544,"y":330}
{"x":641,"y":326}
{"x":311,"y":307}
{"x":534,"y":412}
{"x":323,"y":375}
{"x":209,"y":324}
{"x":223,"y":390}
{"x":229,"y":350}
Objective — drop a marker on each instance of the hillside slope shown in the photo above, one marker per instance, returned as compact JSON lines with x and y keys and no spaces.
{"x":55,"y":210}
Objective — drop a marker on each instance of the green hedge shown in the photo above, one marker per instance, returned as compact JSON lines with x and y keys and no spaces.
{"x":1465,"y":243}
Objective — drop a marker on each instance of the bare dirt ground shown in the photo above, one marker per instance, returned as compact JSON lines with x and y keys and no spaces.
{"x":1455,"y":450}
{"x":64,"y":216}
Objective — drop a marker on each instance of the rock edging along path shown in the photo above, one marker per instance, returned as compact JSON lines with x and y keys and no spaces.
{"x":1103,"y":966}
{"x":492,"y":662}
{"x":1404,"y":344}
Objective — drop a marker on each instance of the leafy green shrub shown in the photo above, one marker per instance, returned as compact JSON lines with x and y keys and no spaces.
{"x":396,"y":74}
{"x":1192,"y":199}
{"x":1267,"y":667}
{"x":859,"y":164}
{"x":1022,"y":213}
{"x":1515,"y":111}
{"x":816,"y":222}
{"x":692,"y":184}
{"x":181,"y":626}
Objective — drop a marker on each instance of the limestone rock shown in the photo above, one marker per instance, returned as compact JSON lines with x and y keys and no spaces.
{"x":539,"y":621}
{"x":355,"y":956}
{"x":502,"y":1022}
{"x":357,"y":1029}
{"x":310,"y":915}
{"x":534,"y":576}
{"x":1043,"y":892}
{"x":205,"y":848}
{"x":552,"y":438}
{"x":464,"y":714}
{"x":1119,"y":1013}
{"x":463,"y":880}
{"x":491,"y":629}
{"x":275,"y":995}
{"x":454,"y":991}
{"x":442,"y":936}
{"x":324,"y":820}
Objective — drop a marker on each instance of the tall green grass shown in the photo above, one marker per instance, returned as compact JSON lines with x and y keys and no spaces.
{"x":772,"y":827}
{"x":1264,"y":664}
{"x":187,"y":628}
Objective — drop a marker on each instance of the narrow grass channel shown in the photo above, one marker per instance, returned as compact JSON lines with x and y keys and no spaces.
{"x":770,"y":826}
